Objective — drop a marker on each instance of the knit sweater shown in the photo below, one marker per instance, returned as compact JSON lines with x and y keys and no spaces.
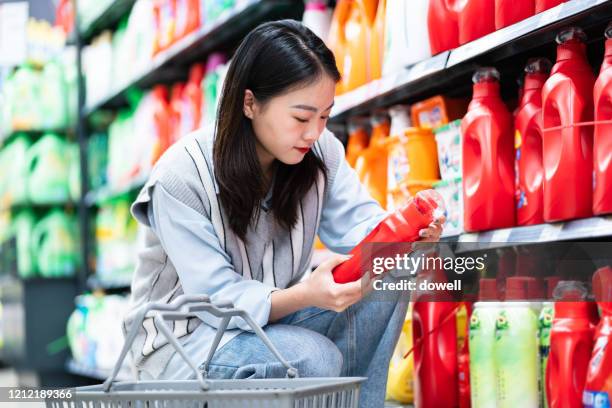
{"x":189,"y":247}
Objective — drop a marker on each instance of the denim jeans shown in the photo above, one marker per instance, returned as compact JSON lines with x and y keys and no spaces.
{"x":321,"y":343}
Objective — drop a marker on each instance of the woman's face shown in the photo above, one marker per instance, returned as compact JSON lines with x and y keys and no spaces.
{"x":287,"y":126}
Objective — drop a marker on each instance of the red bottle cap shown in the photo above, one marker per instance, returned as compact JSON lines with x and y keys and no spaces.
{"x":486,"y":74}
{"x":516,"y":288}
{"x":487,"y":289}
{"x":538,"y":66}
{"x":570,"y":291}
{"x":535,"y":289}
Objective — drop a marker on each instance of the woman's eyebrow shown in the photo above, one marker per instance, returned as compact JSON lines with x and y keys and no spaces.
{"x":310,"y":108}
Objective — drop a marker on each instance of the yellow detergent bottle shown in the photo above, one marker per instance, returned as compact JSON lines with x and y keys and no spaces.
{"x":401,"y":370}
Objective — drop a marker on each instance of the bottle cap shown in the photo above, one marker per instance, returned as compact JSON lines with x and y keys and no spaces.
{"x":572,"y":33}
{"x":538,"y":66}
{"x":516,"y":288}
{"x":487,"y":289}
{"x":486,"y":74}
{"x":570,"y":290}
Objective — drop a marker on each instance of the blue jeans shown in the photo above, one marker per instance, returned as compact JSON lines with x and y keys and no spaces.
{"x":321,"y":343}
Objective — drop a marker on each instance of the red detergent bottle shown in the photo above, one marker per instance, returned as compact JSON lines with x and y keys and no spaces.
{"x":567,"y":99}
{"x":528,"y":145}
{"x":508,"y":12}
{"x":488,"y":157}
{"x":541,"y":5}
{"x":571,"y":344}
{"x":598,"y":387}
{"x":476,"y":19}
{"x":602,"y":139}
{"x":443,"y":25}
{"x":434,"y":333}
{"x":402,"y":225}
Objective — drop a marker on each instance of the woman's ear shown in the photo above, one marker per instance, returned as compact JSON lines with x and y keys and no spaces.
{"x":248,"y":106}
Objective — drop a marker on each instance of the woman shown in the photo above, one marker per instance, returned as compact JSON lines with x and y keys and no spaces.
{"x":235,"y":216}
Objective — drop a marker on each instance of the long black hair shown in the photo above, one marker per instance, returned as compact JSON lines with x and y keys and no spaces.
{"x":274,"y":58}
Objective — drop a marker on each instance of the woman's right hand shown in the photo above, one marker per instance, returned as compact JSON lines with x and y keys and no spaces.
{"x":325,"y":293}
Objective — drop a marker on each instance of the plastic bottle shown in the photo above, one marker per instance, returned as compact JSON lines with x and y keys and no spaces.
{"x":482,"y":342}
{"x":55,"y":245}
{"x":488,"y":157}
{"x":210,"y":87}
{"x":508,"y":12}
{"x":48,"y":170}
{"x":167,"y":23}
{"x":476,"y":19}
{"x":371,"y":164}
{"x":400,"y":385}
{"x":187,"y":17}
{"x":161,"y":119}
{"x":336,"y":40}
{"x":443,"y":25}
{"x":516,"y":347}
{"x":571,"y":343}
{"x":602,"y":142}
{"x":23,"y":226}
{"x":192,"y":100}
{"x":528,"y":143}
{"x":463,"y":353}
{"x":544,"y":325}
{"x":377,"y":41}
{"x":317,"y":17}
{"x":541,"y":5}
{"x":422,"y":154}
{"x":176,"y":111}
{"x":598,"y":387}
{"x":358,"y":140}
{"x":438,"y":111}
{"x":401,"y":226}
{"x":406,"y":34}
{"x":567,"y":99}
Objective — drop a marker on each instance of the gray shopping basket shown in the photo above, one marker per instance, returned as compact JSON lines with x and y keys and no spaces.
{"x":290,"y":392}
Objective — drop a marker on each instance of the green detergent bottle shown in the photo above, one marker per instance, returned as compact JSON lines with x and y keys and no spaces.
{"x":23,"y":227}
{"x":48,"y":170}
{"x":516,"y":348}
{"x":17,"y":170}
{"x":544,"y":325}
{"x":53,"y":100}
{"x":55,"y":246}
{"x":26,"y":113}
{"x":74,"y":172}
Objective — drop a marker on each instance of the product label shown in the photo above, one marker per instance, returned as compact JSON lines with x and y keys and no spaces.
{"x":594,"y":399}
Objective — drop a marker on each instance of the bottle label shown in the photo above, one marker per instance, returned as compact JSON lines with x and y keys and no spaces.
{"x":594,"y":399}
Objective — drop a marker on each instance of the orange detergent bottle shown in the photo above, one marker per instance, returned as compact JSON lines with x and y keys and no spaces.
{"x":567,"y":99}
{"x":161,"y":119}
{"x":191,"y":110}
{"x":176,"y":99}
{"x":371,"y":164}
{"x":402,"y":226}
{"x":477,"y":19}
{"x":602,"y":140}
{"x":598,"y":387}
{"x":508,"y":12}
{"x":336,"y":41}
{"x":358,"y":140}
{"x":377,"y":44}
{"x":528,"y":144}
{"x":541,"y":5}
{"x":488,"y":157}
{"x":443,"y":25}
{"x":187,"y":17}
{"x":438,"y":111}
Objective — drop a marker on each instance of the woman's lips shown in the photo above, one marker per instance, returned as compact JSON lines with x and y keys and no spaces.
{"x":303,"y":150}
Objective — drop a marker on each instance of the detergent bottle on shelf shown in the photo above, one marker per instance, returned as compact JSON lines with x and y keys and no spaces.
{"x":371,"y":164}
{"x":17,"y":172}
{"x":508,"y":12}
{"x":336,"y":40}
{"x":210,"y":87}
{"x":571,"y":344}
{"x":187,"y":17}
{"x":402,"y":225}
{"x":400,"y":386}
{"x":377,"y":41}
{"x":406,"y":34}
{"x":176,"y":111}
{"x":161,"y":120}
{"x":516,"y":347}
{"x":54,"y":241}
{"x":358,"y":140}
{"x":434,"y":328}
{"x":544,"y":325}
{"x":482,"y":342}
{"x":488,"y":157}
{"x":192,"y":100}
{"x":443,"y":25}
{"x":463,"y":353}
{"x":422,"y":153}
{"x":476,"y":19}
{"x":602,"y":142}
{"x":567,"y":101}
{"x":542,"y":5}
{"x":167,"y":23}
{"x":48,"y":170}
{"x":528,"y":145}
{"x":23,"y":226}
{"x":317,"y":17}
{"x":598,"y":387}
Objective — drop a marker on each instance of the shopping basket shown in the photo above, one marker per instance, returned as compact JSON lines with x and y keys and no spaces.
{"x":202,"y":392}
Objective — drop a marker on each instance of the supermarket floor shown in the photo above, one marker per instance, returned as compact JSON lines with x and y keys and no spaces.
{"x":8,"y":378}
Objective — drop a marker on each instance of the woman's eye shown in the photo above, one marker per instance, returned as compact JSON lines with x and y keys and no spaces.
{"x":301,"y":120}
{"x":324,"y":117}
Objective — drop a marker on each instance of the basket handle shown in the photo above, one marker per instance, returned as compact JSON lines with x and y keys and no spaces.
{"x":137,"y":322}
{"x":225,"y":314}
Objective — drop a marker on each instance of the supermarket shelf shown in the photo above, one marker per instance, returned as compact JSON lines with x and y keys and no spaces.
{"x":108,"y":18}
{"x":94,"y":372}
{"x":443,"y":72}
{"x":587,"y":228}
{"x":197,"y":45}
{"x":39,"y":206}
{"x":94,"y":283}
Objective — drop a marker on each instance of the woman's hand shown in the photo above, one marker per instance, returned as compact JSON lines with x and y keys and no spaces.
{"x":433,"y":231}
{"x":325,"y":293}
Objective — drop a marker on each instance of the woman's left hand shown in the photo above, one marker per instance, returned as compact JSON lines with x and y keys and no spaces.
{"x":433,"y":231}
